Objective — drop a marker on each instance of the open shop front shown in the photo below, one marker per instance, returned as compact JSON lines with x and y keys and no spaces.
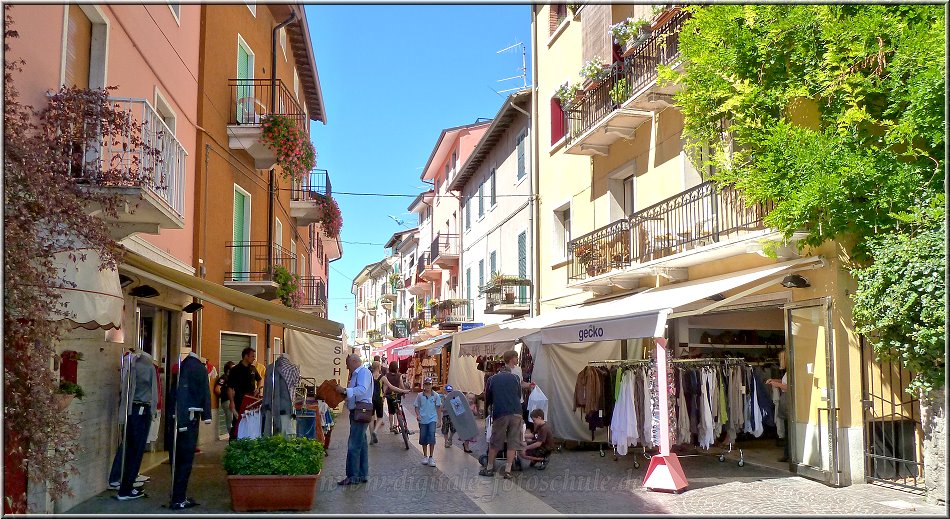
{"x":428,"y":359}
{"x":623,"y":332}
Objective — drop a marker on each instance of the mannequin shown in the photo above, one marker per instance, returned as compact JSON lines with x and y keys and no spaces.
{"x":141,"y":396}
{"x":282,"y":377}
{"x":191,"y":403}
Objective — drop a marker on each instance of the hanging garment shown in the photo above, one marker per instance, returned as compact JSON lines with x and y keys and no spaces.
{"x":288,"y":370}
{"x":749,"y":424}
{"x":683,"y":410}
{"x":694,"y":400}
{"x":623,"y":426}
{"x":609,"y":398}
{"x":250,"y":425}
{"x":706,"y":417}
{"x":714,"y":401}
{"x":646,"y":412}
{"x":734,"y":404}
{"x":766,"y":407}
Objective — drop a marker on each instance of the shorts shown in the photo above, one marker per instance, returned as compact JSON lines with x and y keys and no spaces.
{"x":427,"y":433}
{"x":507,"y":429}
{"x":378,"y":407}
{"x":447,"y":425}
{"x":391,"y":403}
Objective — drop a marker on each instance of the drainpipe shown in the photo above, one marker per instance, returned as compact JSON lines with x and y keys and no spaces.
{"x":535,"y":174}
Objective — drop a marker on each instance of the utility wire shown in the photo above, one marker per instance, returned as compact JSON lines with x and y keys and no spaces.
{"x":402,"y":195}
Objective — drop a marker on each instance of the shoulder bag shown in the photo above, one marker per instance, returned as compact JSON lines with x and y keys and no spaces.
{"x":363,"y":412}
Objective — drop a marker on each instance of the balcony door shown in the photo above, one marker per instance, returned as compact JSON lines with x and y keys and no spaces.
{"x":245,"y":88}
{"x":241,"y":234}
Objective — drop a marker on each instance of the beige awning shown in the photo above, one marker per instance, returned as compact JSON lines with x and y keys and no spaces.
{"x":93,"y":297}
{"x":230,"y":299}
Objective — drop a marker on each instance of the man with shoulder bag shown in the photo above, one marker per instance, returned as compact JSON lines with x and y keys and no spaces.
{"x":359,"y":401}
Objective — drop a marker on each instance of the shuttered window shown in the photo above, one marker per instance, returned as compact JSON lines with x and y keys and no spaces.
{"x":491,"y":179}
{"x":522,"y":164}
{"x":468,"y":283}
{"x":78,"y":48}
{"x":245,"y":91}
{"x":492,"y":263}
{"x":232,"y":346}
{"x":558,"y":126}
{"x":481,"y":273}
{"x":239,"y":255}
{"x":481,"y":199}
{"x":522,"y":263}
{"x":595,"y":28}
{"x":468,"y":213}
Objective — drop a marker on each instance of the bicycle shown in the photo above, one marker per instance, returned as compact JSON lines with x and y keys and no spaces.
{"x":402,"y":426}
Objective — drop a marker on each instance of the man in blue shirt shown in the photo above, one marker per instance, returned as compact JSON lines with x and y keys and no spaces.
{"x":359,"y":389}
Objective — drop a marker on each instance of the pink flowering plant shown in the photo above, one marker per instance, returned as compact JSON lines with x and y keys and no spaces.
{"x":331,"y":219}
{"x":295,"y":152}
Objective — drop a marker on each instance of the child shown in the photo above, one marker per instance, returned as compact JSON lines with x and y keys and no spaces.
{"x":448,"y":428}
{"x":428,"y":413}
{"x":542,"y":444}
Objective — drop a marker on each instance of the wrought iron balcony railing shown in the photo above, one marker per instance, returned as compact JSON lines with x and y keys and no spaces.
{"x":696,"y":217}
{"x":249,"y":261}
{"x":315,"y":183}
{"x":251,"y":102}
{"x":444,"y":245}
{"x":507,"y":291}
{"x":315,"y":291}
{"x":626,"y":78}
{"x":455,"y":311}
{"x":131,"y":166}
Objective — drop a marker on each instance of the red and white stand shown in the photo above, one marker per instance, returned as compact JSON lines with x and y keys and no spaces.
{"x":665,"y":471}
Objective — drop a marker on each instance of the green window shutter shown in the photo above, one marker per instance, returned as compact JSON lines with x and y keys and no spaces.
{"x":481,"y":200}
{"x":521,"y":157}
{"x":523,"y":263}
{"x":492,"y":265}
{"x":245,"y":89}
{"x":238,"y":235}
{"x":468,"y":283}
{"x":491,"y":178}
{"x":481,"y":273}
{"x":468,"y":213}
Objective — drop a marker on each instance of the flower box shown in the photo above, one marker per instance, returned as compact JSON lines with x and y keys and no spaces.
{"x":273,"y":493}
{"x":663,"y":17}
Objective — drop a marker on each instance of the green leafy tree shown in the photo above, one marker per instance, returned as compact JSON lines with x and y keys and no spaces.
{"x":835,"y":114}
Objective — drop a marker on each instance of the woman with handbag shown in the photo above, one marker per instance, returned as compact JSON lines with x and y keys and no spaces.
{"x":359,"y":401}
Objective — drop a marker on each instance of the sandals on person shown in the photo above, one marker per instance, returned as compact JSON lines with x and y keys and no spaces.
{"x":506,"y":474}
{"x":486,"y":472}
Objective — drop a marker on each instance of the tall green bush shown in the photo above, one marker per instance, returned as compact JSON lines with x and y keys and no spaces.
{"x":273,"y":456}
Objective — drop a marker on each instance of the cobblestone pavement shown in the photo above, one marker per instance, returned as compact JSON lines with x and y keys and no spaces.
{"x":576,"y":482}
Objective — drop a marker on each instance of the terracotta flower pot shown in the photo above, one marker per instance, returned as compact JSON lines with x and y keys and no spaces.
{"x":62,"y":400}
{"x":273,"y":493}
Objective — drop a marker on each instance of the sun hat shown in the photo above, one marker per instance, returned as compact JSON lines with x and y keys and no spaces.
{"x":427,"y":380}
{"x":448,"y":388}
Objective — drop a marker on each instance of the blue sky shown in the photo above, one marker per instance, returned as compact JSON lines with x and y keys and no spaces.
{"x":393,"y":76}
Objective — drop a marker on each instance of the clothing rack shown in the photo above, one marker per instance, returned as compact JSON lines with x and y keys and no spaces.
{"x":622,"y":363}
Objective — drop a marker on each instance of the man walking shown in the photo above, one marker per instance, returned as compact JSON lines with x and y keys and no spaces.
{"x":359,"y":389}
{"x":503,"y":395}
{"x":242,"y":380}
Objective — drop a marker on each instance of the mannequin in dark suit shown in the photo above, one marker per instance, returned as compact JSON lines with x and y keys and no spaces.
{"x":192,"y":393}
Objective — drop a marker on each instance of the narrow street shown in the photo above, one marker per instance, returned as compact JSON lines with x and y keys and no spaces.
{"x":576,"y":482}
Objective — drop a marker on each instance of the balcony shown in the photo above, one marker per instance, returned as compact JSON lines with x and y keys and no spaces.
{"x":315,"y":295}
{"x":444,"y":250}
{"x":251,"y":272}
{"x":251,"y":101}
{"x":388,"y":294}
{"x":421,"y":321}
{"x":453,"y":312}
{"x":427,"y":269}
{"x":151,"y":189}
{"x":696,"y":218}
{"x":371,"y":306}
{"x":305,"y":194}
{"x":508,"y":295}
{"x":629,"y":96}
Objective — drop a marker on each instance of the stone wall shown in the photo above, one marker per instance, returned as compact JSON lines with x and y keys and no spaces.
{"x":933,"y":410}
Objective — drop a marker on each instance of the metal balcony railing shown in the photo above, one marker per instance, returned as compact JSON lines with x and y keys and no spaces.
{"x":131,"y":166}
{"x":626,"y":78}
{"x":455,"y":311}
{"x":444,"y":244}
{"x":422,"y":263}
{"x":421,"y":319}
{"x":696,"y":217}
{"x":507,"y":292}
{"x":311,"y":185}
{"x":315,"y":291}
{"x":251,"y":102}
{"x":249,"y":261}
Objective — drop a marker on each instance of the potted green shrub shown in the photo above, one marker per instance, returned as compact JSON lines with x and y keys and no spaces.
{"x":66,"y":392}
{"x":594,"y":73}
{"x":273,"y":473}
{"x":619,"y":92}
{"x":288,"y":285}
{"x":567,"y":93}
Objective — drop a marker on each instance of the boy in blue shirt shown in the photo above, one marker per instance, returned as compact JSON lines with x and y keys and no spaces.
{"x":428,"y":413}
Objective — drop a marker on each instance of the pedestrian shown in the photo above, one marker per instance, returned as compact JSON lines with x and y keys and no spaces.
{"x":381,"y":387}
{"x":782,"y":410}
{"x":359,"y":389}
{"x":242,"y":380}
{"x":448,"y":428}
{"x":191,"y":403}
{"x":503,"y":396}
{"x":397,"y":384}
{"x":221,"y":391}
{"x":428,"y":413}
{"x":542,"y":441}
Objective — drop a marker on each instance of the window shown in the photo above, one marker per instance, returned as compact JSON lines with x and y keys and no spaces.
{"x":78,"y":47}
{"x":523,"y":263}
{"x":278,"y":234}
{"x":491,"y":179}
{"x":468,"y":213}
{"x":246,"y":105}
{"x":481,"y":200}
{"x":522,"y":164}
{"x":455,"y":159}
{"x":447,"y":171}
{"x":293,"y":254}
{"x":558,"y":121}
{"x":558,"y":13}
{"x":296,"y":85}
{"x":176,"y":10}
{"x":628,"y":200}
{"x":468,"y":283}
{"x":562,"y":231}
{"x":481,"y":273}
{"x":241,"y":233}
{"x":165,"y":111}
{"x":283,"y":47}
{"x":492,"y":263}
{"x":252,"y":7}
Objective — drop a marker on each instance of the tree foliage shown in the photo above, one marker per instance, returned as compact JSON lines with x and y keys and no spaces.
{"x":836,"y":114}
{"x":47,"y":167}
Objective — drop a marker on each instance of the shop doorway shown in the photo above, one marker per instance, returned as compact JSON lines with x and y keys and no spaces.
{"x":154,"y":335}
{"x":893,"y":452}
{"x":813,"y":413}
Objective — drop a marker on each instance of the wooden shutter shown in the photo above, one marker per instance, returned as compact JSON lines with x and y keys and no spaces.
{"x":238,"y":264}
{"x":232,"y":346}
{"x":596,"y":38}
{"x":494,"y":197}
{"x":521,"y":155}
{"x":78,"y":45}
{"x":557,"y":121}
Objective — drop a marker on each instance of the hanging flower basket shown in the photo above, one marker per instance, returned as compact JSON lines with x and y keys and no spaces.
{"x":330,"y":217}
{"x":295,"y":153}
